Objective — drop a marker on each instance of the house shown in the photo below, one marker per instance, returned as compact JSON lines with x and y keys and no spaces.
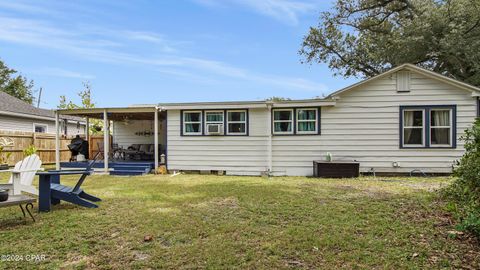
{"x":17,"y":115}
{"x":405,"y":119}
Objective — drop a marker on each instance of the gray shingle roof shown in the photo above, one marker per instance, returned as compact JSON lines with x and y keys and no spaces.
{"x":15,"y":105}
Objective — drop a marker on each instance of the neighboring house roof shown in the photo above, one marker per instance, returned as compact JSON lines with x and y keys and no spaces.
{"x":411,"y":67}
{"x":13,"y":106}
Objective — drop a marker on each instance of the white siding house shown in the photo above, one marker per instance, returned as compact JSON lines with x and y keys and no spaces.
{"x":16,"y":115}
{"x":363,"y":122}
{"x":405,"y":119}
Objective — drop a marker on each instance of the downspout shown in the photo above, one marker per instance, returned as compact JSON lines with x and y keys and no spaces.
{"x":165,"y":136}
{"x":155,"y":139}
{"x":106,"y":140}
{"x":269,"y":139}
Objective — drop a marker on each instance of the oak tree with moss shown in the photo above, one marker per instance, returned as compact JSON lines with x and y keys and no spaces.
{"x":364,"y":38}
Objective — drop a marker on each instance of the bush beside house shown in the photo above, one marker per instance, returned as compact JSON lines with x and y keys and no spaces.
{"x":464,"y":193}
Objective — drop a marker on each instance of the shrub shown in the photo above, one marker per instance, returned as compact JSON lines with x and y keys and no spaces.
{"x":464,"y":192}
{"x":29,"y":151}
{"x":4,"y":156}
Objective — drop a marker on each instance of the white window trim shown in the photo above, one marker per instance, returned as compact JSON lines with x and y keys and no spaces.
{"x":236,"y":122}
{"x":43,"y":125}
{"x":450,"y":127}
{"x":282,"y":121}
{"x":415,"y":127}
{"x":190,"y":122}
{"x":213,"y":122}
{"x":304,"y":121}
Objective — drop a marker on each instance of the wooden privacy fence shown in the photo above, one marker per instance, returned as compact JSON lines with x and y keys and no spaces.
{"x":44,"y":142}
{"x":94,"y":142}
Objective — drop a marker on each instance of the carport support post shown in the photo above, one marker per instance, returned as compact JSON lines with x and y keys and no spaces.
{"x":57,"y":141}
{"x":106,"y":137}
{"x":87,"y":131}
{"x":155,"y":140}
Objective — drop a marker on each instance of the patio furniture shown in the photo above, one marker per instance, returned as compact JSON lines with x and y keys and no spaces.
{"x":52,"y":192}
{"x":20,"y":200}
{"x":132,"y":151}
{"x":150,"y":153}
{"x":100,"y":149}
{"x":22,"y":176}
{"x":117,"y":152}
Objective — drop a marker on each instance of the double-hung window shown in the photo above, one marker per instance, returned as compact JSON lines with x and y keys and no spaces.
{"x":298,"y":121}
{"x":283,"y":121}
{"x":214,"y":122}
{"x":236,"y":122}
{"x":192,"y":123}
{"x":440,"y":127}
{"x":307,"y":122}
{"x":428,"y":126}
{"x":213,"y":117}
{"x":414,"y":128}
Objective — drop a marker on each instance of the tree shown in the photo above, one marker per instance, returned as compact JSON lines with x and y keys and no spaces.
{"x":17,"y":86}
{"x":366,"y":37}
{"x":86,"y":102}
{"x":85,"y":97}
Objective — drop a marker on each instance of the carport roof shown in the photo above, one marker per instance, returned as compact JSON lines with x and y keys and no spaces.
{"x":116,"y":113}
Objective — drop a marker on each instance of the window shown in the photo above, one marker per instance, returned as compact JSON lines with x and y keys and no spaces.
{"x":283,"y":121}
{"x":307,"y":121}
{"x":214,"y":122}
{"x":413,"y":127}
{"x":192,"y":123}
{"x":440,"y":127}
{"x":237,"y":122}
{"x":428,"y":126}
{"x":40,"y":128}
{"x":299,"y":121}
{"x":213,"y":118}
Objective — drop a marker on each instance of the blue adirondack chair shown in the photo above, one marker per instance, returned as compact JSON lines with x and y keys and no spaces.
{"x":74,"y":194}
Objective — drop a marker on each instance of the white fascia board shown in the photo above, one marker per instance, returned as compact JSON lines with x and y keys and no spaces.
{"x":213,"y":106}
{"x":109,"y":110}
{"x":304,"y":104}
{"x":24,"y":115}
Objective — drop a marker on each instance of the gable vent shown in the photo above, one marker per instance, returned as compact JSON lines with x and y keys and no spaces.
{"x":403,"y":81}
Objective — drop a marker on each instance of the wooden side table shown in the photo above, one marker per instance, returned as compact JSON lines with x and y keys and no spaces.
{"x":20,"y":200}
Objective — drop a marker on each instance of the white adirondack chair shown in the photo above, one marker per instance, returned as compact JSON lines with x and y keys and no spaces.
{"x":22,"y":176}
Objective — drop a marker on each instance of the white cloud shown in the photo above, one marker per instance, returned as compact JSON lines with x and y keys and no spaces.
{"x":111,"y":46}
{"x":287,"y":11}
{"x":23,"y":7}
{"x":60,"y":72}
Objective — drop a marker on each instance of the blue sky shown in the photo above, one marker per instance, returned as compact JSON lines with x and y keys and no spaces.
{"x":139,"y":52}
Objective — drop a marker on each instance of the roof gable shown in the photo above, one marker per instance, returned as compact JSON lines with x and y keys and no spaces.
{"x":410,"y":67}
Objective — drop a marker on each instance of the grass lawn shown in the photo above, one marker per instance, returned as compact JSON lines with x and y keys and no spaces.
{"x":217,"y":222}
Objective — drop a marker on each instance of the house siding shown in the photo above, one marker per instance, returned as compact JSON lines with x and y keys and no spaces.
{"x":124,"y":135}
{"x":12,"y":123}
{"x":362,"y":126}
{"x":239,"y":155}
